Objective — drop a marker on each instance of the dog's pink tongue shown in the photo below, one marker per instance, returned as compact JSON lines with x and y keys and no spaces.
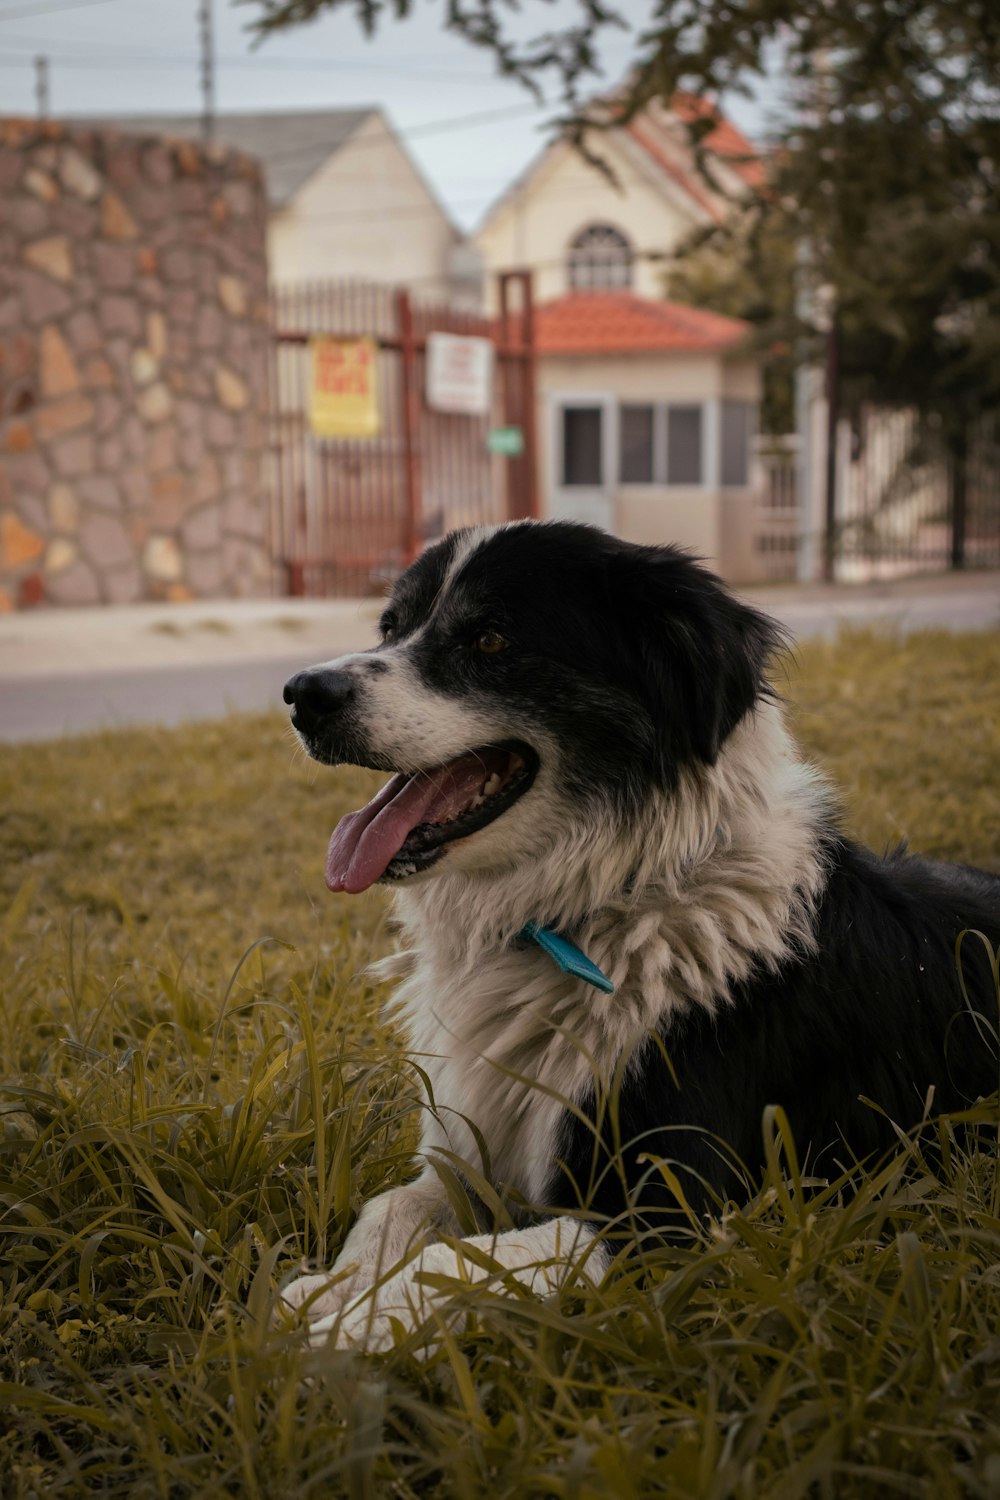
{"x":365,"y":842}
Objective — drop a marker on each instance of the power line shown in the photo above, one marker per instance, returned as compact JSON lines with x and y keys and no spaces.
{"x":100,"y":53}
{"x":431,"y":127}
{"x":17,"y":12}
{"x":417,"y":211}
{"x":107,"y":59}
{"x":568,"y":195}
{"x":656,"y":257}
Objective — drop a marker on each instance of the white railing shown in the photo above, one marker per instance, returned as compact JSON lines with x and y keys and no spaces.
{"x":777,"y":521}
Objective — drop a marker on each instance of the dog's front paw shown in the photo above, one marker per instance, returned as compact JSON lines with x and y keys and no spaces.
{"x":368,"y":1322}
{"x":317,"y":1297}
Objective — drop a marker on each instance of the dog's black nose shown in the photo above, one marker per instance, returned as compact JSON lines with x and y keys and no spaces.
{"x":318,"y":693}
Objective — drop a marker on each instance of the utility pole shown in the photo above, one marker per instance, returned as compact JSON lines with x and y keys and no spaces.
{"x":42,"y":86}
{"x":207,"y":69}
{"x":832,"y":433}
{"x":824,"y":96}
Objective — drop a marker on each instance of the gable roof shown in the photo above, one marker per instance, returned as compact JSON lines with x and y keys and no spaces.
{"x":290,"y":145}
{"x":665,"y":149}
{"x":725,"y":140}
{"x":622,"y":323}
{"x":688,"y":180}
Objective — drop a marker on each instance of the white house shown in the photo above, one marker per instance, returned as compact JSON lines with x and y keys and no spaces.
{"x":346,"y":199}
{"x":647,"y":410}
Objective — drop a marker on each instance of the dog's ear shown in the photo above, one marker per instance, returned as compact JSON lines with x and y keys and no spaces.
{"x":702,"y":655}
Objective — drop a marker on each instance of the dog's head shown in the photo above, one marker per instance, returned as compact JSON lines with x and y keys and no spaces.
{"x":526,"y":673}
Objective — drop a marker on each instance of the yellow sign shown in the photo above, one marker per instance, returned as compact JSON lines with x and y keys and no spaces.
{"x":344,"y":393}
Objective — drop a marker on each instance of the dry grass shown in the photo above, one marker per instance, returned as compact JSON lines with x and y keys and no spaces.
{"x":909,"y":728}
{"x":199,"y":1092}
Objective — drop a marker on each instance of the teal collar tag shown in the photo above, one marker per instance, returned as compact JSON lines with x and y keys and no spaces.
{"x":567,"y":956}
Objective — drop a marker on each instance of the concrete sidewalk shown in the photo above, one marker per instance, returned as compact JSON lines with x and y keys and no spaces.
{"x":67,"y":671}
{"x":123,"y":637}
{"x":75,"y":670}
{"x":945,"y":601}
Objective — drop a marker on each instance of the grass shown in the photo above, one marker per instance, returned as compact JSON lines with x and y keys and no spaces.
{"x":199,"y":1093}
{"x":172,"y":627}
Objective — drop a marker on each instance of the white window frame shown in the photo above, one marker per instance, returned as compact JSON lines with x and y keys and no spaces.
{"x":660,"y":428}
{"x":626,"y":260}
{"x":563,"y":498}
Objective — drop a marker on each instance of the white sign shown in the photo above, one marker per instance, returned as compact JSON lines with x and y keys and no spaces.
{"x":459,"y":374}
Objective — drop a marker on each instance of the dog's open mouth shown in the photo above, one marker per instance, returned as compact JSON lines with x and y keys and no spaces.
{"x":406,"y":826}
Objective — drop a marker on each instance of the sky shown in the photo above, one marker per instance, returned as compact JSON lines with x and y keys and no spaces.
{"x":470,"y":131}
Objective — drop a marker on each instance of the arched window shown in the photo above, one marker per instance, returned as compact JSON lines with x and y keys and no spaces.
{"x":599,"y":256}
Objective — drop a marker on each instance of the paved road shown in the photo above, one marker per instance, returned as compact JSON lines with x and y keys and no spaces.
{"x":976,"y":608}
{"x":47,"y":707}
{"x":69,"y":671}
{"x":88,"y":670}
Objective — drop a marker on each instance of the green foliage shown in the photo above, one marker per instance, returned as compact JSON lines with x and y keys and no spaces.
{"x":887,"y":172}
{"x":746,"y":269}
{"x":885,"y":177}
{"x":190,"y":1108}
{"x":568,"y":55}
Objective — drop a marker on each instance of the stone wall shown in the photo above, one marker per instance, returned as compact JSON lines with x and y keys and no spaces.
{"x":134,"y":351}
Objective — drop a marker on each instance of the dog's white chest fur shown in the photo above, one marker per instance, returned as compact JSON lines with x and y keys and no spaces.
{"x":503,"y":1044}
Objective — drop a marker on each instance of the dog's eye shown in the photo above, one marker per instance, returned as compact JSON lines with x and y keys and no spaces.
{"x":490,"y":642}
{"x":388,"y":628}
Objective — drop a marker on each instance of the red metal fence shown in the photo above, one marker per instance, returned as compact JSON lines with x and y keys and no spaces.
{"x":350,"y":513}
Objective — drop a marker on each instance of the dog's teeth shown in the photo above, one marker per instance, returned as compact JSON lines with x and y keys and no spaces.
{"x":477,"y":800}
{"x":492,"y":785}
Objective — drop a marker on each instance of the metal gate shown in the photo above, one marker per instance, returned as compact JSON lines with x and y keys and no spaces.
{"x":350,"y":514}
{"x":905,"y":504}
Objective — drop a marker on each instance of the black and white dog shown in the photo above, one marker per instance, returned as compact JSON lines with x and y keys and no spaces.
{"x":631,"y":920}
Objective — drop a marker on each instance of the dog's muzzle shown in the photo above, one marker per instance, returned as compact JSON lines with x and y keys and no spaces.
{"x":411,"y":821}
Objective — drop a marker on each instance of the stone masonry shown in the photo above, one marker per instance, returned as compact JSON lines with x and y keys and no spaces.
{"x":134,"y":348}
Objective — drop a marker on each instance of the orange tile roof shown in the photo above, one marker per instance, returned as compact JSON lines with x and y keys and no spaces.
{"x":725,"y":139}
{"x":622,"y":323}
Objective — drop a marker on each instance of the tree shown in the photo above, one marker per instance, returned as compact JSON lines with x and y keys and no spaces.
{"x":746,"y":268}
{"x":889,"y":172}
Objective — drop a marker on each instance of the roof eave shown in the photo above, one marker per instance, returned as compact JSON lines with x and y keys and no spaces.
{"x":595,"y":351}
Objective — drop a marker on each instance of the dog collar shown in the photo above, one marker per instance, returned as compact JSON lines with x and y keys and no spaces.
{"x":566,"y":956}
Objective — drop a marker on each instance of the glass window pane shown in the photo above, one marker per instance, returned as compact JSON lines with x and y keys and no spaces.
{"x":599,"y":256}
{"x":635,"y":427}
{"x":684,"y":445}
{"x":736,"y":418}
{"x":581,"y":445}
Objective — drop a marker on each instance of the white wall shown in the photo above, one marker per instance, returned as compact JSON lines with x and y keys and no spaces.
{"x":366,"y":213}
{"x":534,"y":225}
{"x":717,"y":524}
